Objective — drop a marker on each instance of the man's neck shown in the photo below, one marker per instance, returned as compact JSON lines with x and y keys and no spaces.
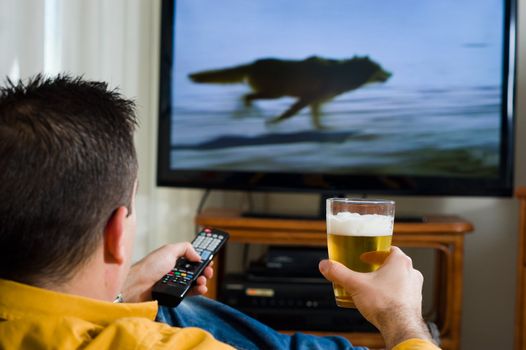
{"x":91,"y":280}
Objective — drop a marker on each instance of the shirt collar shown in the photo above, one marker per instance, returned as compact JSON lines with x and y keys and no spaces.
{"x":20,"y":300}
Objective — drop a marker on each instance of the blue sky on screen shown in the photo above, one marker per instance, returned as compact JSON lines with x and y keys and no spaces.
{"x":441,"y":43}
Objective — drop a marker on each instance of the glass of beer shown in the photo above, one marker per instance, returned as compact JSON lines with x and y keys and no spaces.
{"x":359,"y":233}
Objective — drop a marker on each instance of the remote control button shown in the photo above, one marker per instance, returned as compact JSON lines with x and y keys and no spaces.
{"x":205,"y":254}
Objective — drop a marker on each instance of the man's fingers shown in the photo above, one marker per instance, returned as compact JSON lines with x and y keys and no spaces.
{"x":201,"y":281}
{"x":208,"y":272}
{"x":395,"y":251}
{"x":396,"y":254}
{"x":185,"y":249}
{"x":339,"y":274}
{"x":198,"y":290}
{"x":200,"y":287}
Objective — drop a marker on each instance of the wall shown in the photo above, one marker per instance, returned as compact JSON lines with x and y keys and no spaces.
{"x":117,"y":41}
{"x":114,"y":41}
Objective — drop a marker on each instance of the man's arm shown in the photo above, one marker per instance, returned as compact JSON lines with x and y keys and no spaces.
{"x":390,"y":298}
{"x":144,"y":273}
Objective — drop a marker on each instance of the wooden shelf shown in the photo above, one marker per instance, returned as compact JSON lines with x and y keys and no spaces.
{"x":444,"y":234}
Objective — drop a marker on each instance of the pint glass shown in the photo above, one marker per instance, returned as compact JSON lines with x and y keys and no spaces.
{"x":359,"y":233}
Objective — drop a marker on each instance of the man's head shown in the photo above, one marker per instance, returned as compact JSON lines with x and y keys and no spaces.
{"x":67,"y":164}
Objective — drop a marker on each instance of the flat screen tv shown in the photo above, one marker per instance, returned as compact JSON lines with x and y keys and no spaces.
{"x":410,"y":97}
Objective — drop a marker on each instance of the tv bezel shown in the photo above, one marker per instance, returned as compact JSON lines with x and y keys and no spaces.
{"x":338,"y":184}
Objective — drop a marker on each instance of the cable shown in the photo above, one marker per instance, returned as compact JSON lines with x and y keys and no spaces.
{"x":250,"y":199}
{"x":202,"y":202}
{"x":244,"y":263}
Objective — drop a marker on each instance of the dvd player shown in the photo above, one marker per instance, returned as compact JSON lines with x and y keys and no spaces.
{"x":293,"y":304}
{"x":288,"y":261}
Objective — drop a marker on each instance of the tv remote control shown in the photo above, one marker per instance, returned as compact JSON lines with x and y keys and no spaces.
{"x":172,"y":288}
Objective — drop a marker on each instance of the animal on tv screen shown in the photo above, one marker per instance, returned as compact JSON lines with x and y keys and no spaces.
{"x":349,"y":86}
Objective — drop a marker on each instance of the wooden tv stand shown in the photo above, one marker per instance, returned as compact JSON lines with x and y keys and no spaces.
{"x":443,"y":234}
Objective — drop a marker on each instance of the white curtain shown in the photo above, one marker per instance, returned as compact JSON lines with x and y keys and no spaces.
{"x":116,"y":41}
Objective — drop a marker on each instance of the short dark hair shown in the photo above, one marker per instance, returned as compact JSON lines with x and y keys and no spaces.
{"x":67,"y":162}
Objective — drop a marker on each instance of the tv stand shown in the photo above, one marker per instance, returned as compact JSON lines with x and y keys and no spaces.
{"x":443,"y":235}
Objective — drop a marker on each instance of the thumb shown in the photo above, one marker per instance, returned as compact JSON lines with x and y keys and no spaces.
{"x":339,"y":274}
{"x":186,"y":250}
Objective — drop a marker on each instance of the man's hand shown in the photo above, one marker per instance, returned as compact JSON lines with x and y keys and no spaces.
{"x":144,"y":273}
{"x":390,"y":297}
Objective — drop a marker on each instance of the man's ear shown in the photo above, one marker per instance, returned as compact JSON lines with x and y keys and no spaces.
{"x":114,"y":237}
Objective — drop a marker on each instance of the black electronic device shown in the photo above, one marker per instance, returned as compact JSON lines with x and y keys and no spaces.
{"x":292,"y":304}
{"x":172,"y":288}
{"x":442,"y":122}
{"x":285,"y":262}
{"x":284,"y":289}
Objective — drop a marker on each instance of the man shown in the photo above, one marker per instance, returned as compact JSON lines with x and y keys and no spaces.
{"x":67,"y":224}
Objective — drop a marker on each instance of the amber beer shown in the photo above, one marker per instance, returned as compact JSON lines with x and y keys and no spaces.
{"x":359,"y":236}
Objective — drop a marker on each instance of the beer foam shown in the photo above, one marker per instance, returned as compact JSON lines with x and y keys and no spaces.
{"x":354,"y":224}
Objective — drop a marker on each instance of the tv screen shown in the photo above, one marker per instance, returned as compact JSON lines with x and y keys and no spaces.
{"x":348,"y":96}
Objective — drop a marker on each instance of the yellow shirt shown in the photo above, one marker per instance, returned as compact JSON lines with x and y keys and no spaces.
{"x":416,"y":344}
{"x":35,"y":318}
